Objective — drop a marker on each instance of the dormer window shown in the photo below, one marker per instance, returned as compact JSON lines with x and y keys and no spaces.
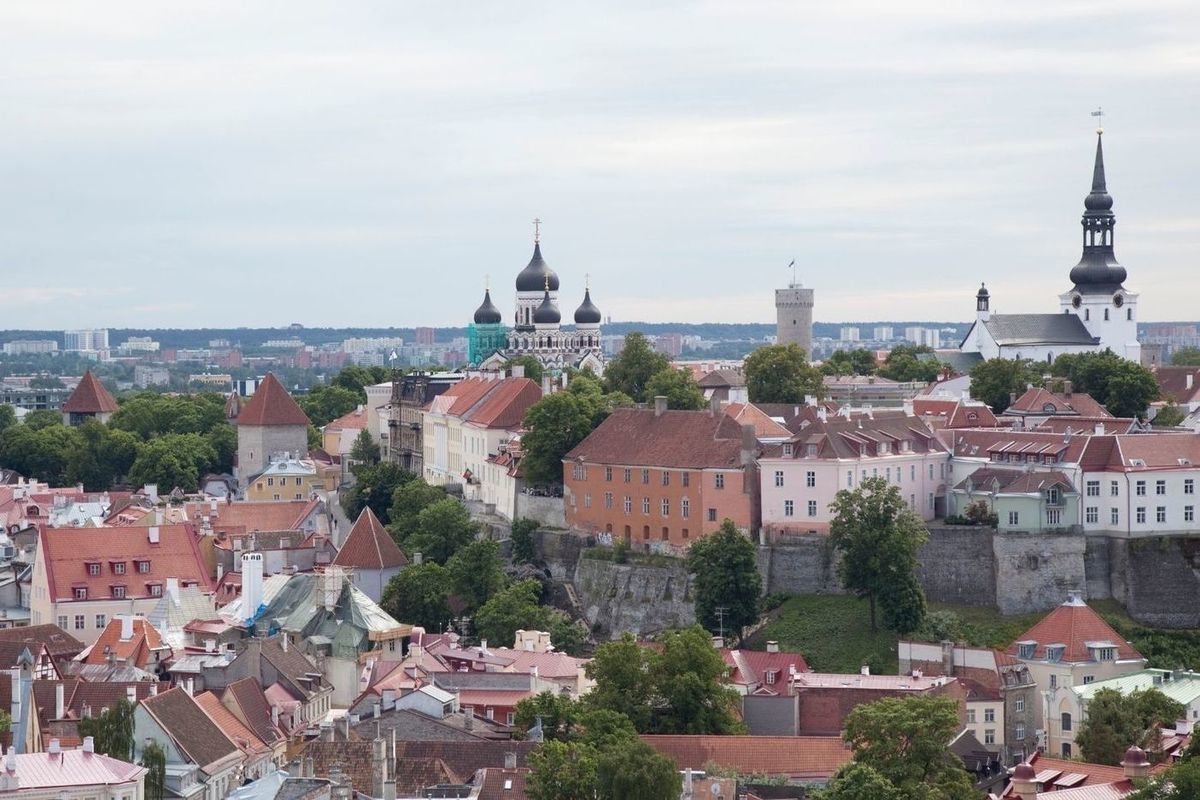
{"x":1106,"y":654}
{"x":80,"y":592}
{"x":884,"y":448}
{"x":787,"y":449}
{"x":1054,"y":652}
{"x":772,"y":675}
{"x":143,"y":566}
{"x":118,"y":567}
{"x":118,"y":592}
{"x":811,"y":451}
{"x":93,"y":568}
{"x":155,"y":589}
{"x":1026,"y":649}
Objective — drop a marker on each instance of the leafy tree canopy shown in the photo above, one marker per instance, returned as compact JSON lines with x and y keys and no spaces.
{"x":555,"y":424}
{"x":632,"y":368}
{"x":409,"y":499}
{"x":996,"y":380}
{"x":375,"y":485}
{"x":1125,"y":388}
{"x":849,"y":362}
{"x":902,"y":364}
{"x":1115,"y":721}
{"x":442,"y":528}
{"x":780,"y":373}
{"x":476,"y":572}
{"x":533,"y":368}
{"x":679,"y":387}
{"x":1186,"y":357}
{"x":417,"y":595}
{"x":727,"y":578}
{"x":1169,"y":416}
{"x":365,"y":449}
{"x":325,"y":403}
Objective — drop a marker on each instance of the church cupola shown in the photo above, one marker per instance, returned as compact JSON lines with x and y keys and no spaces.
{"x":587,"y":313}
{"x":487,"y":313}
{"x":1098,"y":271}
{"x":547,"y":313}
{"x":537,"y":274}
{"x":982,"y":299}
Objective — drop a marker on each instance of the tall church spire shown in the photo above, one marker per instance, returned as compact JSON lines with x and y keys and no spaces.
{"x":1098,"y":270}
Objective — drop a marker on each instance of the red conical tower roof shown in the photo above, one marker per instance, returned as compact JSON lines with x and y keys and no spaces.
{"x":90,"y":397}
{"x":272,"y":405}
{"x":369,"y":545}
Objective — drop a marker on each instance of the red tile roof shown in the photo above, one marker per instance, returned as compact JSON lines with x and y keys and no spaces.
{"x":505,"y":405}
{"x":764,"y":426}
{"x":261,"y":515}
{"x":70,"y":552}
{"x":90,"y":397}
{"x":1173,"y":383}
{"x":1072,"y":624}
{"x":752,"y":667}
{"x":369,"y":545}
{"x":355,"y":420}
{"x":192,"y":730}
{"x":230,"y":725}
{"x":1083,"y":776}
{"x":796,"y":757}
{"x":502,"y":784}
{"x":680,"y":439}
{"x":272,"y":405}
{"x":138,"y":649}
{"x":58,"y":642}
{"x":247,"y":695}
{"x":1037,"y":401}
{"x":955,"y":413}
{"x":1015,"y":481}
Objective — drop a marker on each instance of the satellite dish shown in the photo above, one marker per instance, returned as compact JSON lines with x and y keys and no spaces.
{"x":715,"y":789}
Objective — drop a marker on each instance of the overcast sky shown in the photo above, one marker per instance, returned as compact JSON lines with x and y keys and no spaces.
{"x":259,"y":163}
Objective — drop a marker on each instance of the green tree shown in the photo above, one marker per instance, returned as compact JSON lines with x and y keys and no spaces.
{"x":1169,"y":415}
{"x":533,"y":368}
{"x":323,"y":404}
{"x":555,"y":424}
{"x":223,"y":439}
{"x":375,"y":485}
{"x":442,"y":528}
{"x":679,"y":387}
{"x":631,"y":369}
{"x":727,"y":579}
{"x":173,"y":460}
{"x":111,"y":731}
{"x":622,"y":671}
{"x":878,"y":536}
{"x":561,"y":771}
{"x":1186,"y":357}
{"x":856,"y":781}
{"x":8,"y":417}
{"x":849,"y":362}
{"x":557,"y":712}
{"x":690,"y":680}
{"x":524,"y":551}
{"x":906,"y":741}
{"x":636,"y":771}
{"x":509,"y":610}
{"x":154,"y":759}
{"x":995,"y":381}
{"x":902,"y":364}
{"x":1180,"y":782}
{"x":417,"y":595}
{"x":365,"y":449}
{"x":49,"y":453}
{"x":408,"y":500}
{"x":103,"y":455}
{"x":355,"y":379}
{"x":598,"y":404}
{"x":1115,"y":721}
{"x":475,"y":572}
{"x":1125,"y":388}
{"x":36,"y":420}
{"x":780,"y":373}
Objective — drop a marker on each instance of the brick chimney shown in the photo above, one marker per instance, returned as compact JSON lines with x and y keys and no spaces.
{"x":660,"y":405}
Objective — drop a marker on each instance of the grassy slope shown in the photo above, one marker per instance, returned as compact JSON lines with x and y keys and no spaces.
{"x":834,"y":633}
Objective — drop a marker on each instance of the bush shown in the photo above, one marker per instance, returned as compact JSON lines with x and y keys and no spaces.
{"x":773,"y":601}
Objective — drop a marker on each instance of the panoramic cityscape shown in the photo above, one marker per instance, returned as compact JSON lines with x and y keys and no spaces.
{"x":694,"y":401}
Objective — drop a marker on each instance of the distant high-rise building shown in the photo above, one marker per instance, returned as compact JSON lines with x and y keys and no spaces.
{"x":793,"y":315}
{"x":850,"y":334}
{"x":424,"y":336}
{"x":85,"y":341}
{"x":884,"y":333}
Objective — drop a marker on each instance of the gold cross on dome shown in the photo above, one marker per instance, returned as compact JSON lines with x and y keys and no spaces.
{"x":1099,"y":115}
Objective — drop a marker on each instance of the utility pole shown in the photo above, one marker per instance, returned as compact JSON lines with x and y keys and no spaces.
{"x":720,"y":610}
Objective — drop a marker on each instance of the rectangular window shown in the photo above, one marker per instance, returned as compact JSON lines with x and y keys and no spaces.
{"x":1091,"y":514}
{"x":62,"y":621}
{"x":1066,"y":721}
{"x":712,"y":515}
{"x":912,"y":472}
{"x":779,"y":477}
{"x":118,"y":592}
{"x":1115,"y":516}
{"x":812,"y":508}
{"x":1053,"y":516}
{"x":1053,"y":681}
{"x":1160,"y":514}
{"x":1141,"y":515}
{"x":1093,"y":488}
{"x":156,"y":590}
{"x":628,"y":475}
{"x":666,"y":507}
{"x":719,"y":481}
{"x":685,"y":508}
{"x":1189,"y":486}
{"x":93,"y":569}
{"x":989,"y":736}
{"x":143,"y":567}
{"x":79,"y":622}
{"x":646,"y":476}
{"x":101,"y":621}
{"x":645,"y":505}
{"x":80,"y":593}
{"x":1019,"y":732}
{"x":1114,"y":489}
{"x":666,"y":478}
{"x":1014,"y":517}
{"x":297,"y":481}
{"x":970,"y":716}
{"x":628,"y":504}
{"x":931,"y":501}
{"x":889,"y":474}
{"x":931,"y":472}
{"x":666,"y":533}
{"x":1019,"y":707}
{"x":849,"y":479}
{"x":608,"y":474}
{"x":1140,"y":487}
{"x":989,"y":715}
{"x":788,"y":508}
{"x":1160,"y":487}
{"x":608,"y":499}
{"x":118,"y":567}
{"x":810,"y":479}
{"x":1189,"y":513}
{"x":577,"y":472}
{"x":1088,"y":679}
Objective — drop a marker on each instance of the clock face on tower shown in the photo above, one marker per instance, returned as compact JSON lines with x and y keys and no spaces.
{"x":1118,"y":300}
{"x":1076,"y":301}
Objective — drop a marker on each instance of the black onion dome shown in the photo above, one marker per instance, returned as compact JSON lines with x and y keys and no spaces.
{"x":587,"y":313}
{"x":547,"y":313}
{"x":983,"y":292}
{"x":536,"y":274}
{"x":487,"y":313}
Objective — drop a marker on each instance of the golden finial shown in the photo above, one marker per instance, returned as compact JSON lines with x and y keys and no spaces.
{"x":587,"y":281}
{"x":537,"y":230}
{"x":1099,"y":115}
{"x":547,"y":283}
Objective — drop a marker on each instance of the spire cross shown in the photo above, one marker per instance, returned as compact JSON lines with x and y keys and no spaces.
{"x":587,"y":280}
{"x":547,"y":283}
{"x":1099,"y":115}
{"x":487,"y":282}
{"x":537,"y":230}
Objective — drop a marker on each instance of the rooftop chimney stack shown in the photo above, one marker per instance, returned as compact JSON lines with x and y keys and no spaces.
{"x":660,"y":405}
{"x":772,"y":646}
{"x":59,"y":700}
{"x":126,"y":627}
{"x":252,"y":580}
{"x":89,"y":744}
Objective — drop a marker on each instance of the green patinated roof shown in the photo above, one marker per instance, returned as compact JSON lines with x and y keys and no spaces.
{"x":1183,"y":689}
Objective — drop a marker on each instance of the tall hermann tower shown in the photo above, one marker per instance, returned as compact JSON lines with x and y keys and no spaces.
{"x":793,"y":311}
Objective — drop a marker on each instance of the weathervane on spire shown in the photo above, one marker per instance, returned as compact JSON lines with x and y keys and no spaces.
{"x":537,"y":230}
{"x":1099,"y":115}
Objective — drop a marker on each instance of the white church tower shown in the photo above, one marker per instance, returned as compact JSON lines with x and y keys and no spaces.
{"x":1098,"y":297}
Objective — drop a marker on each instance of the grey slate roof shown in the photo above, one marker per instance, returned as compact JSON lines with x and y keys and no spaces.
{"x":1015,"y":329}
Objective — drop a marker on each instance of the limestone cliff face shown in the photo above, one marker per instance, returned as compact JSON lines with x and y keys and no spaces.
{"x":637,"y":598}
